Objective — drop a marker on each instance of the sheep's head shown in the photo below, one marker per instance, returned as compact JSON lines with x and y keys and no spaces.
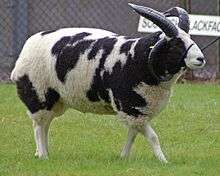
{"x":175,"y":42}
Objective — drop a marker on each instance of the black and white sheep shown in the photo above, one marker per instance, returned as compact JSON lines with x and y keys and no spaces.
{"x":93,"y":70}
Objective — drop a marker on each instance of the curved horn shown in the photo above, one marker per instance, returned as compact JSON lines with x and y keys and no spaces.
{"x":183,"y":16}
{"x":156,"y":17}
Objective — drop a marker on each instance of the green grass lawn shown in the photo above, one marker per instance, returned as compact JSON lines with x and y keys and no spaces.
{"x":90,"y":145}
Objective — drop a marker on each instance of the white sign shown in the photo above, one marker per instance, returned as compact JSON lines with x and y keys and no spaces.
{"x":199,"y":25}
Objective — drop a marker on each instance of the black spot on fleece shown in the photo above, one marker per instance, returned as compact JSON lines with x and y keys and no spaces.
{"x":29,"y":96}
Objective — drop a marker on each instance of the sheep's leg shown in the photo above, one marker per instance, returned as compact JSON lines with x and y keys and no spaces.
{"x":41,"y":123}
{"x":152,"y":137}
{"x":132,"y":133}
{"x":40,"y":138}
{"x":46,"y":133}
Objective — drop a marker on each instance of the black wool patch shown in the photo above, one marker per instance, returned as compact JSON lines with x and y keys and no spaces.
{"x":125,"y":98}
{"x":57,"y":48}
{"x":29,"y":97}
{"x":51,"y":98}
{"x":125,"y":48}
{"x":97,"y":89}
{"x":78,"y":37}
{"x":98,"y":45}
{"x":69,"y":56}
{"x":92,"y":95}
{"x":48,"y":32}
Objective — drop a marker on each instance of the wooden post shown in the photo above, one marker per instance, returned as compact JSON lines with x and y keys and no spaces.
{"x":20,"y":25}
{"x":218,"y":50}
{"x":182,"y":3}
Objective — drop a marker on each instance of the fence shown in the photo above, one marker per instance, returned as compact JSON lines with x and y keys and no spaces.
{"x":19,"y":19}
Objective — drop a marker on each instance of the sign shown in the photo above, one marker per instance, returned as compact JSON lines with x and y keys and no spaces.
{"x":199,"y":25}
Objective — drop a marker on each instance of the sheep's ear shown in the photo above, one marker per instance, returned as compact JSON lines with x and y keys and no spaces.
{"x":158,"y":18}
{"x":154,"y":54}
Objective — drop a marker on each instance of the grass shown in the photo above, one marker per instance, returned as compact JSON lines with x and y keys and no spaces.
{"x":89,"y":144}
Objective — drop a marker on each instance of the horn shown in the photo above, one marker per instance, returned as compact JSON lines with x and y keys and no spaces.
{"x":158,"y":18}
{"x":183,"y":16}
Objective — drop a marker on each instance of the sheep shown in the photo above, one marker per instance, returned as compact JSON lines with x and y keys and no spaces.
{"x":97,"y":71}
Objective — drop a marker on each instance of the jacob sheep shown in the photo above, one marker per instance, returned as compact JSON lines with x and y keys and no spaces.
{"x":93,"y":70}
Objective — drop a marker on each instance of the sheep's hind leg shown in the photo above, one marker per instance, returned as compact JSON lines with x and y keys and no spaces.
{"x":47,"y":125}
{"x":132,"y":133}
{"x":43,"y":105}
{"x":40,"y":126}
{"x":152,"y":137}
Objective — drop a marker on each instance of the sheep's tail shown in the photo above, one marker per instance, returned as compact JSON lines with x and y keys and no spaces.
{"x":12,"y":76}
{"x":18,"y":70}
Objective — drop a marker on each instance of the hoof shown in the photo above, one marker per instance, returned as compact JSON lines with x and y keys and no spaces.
{"x":162,"y":159}
{"x":124,"y":155}
{"x":42,"y":156}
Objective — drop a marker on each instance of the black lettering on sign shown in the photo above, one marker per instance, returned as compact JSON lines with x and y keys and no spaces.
{"x":206,"y":25}
{"x":210,"y":24}
{"x":218,"y":27}
{"x":214,"y":27}
{"x":195,"y":25}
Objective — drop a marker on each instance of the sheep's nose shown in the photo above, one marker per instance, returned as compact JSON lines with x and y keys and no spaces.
{"x":201,"y":59}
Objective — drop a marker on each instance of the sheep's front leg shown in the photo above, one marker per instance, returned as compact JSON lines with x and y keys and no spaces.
{"x":152,"y":137}
{"x":132,"y":133}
